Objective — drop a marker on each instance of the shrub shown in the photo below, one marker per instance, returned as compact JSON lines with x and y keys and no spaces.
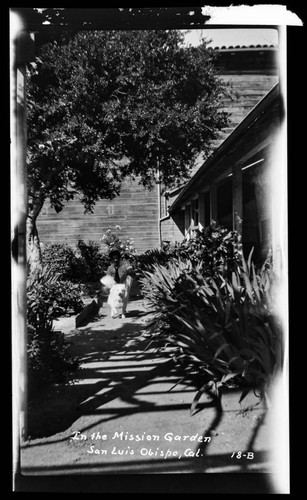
{"x":216,"y":247}
{"x":50,"y":297}
{"x":112,"y":239}
{"x":61,"y":259}
{"x":49,"y":360}
{"x":87,"y":262}
{"x":83,"y":264}
{"x":92,"y":260}
{"x":224,"y":328}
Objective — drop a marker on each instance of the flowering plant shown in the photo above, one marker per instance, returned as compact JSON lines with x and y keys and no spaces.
{"x":112,"y":239}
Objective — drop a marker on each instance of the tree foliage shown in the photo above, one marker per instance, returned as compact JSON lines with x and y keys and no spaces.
{"x":103,"y":105}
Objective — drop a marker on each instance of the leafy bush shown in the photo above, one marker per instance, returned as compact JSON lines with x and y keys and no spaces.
{"x":216,"y":247}
{"x":83,"y":264}
{"x":50,"y":297}
{"x":62,"y":260}
{"x":49,"y":360}
{"x":86,"y":262}
{"x":224,"y":328}
{"x":92,"y":260}
{"x":112,"y":239}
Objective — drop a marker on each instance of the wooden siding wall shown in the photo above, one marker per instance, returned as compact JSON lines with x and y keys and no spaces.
{"x":172,"y":230}
{"x":135,"y":210}
{"x":248,"y":90}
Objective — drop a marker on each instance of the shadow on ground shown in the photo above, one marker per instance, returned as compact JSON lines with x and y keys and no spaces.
{"x":118,"y":365}
{"x":98,"y":381}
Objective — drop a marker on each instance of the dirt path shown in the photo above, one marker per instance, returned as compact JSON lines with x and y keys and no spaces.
{"x":127,"y":412}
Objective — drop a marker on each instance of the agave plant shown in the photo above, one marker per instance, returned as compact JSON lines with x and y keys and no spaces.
{"x":224,"y":328}
{"x":147,"y":260}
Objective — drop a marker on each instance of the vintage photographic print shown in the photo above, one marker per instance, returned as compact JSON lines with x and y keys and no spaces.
{"x":149,"y":244}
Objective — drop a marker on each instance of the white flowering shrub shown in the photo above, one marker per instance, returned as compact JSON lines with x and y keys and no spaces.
{"x":112,"y":239}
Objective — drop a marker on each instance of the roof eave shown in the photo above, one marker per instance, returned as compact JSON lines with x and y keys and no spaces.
{"x":239,"y":130}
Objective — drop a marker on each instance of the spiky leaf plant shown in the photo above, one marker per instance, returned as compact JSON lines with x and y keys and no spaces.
{"x":224,"y":328}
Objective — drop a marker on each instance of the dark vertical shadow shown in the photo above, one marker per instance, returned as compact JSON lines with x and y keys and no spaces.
{"x":202,"y":450}
{"x":250,"y":445}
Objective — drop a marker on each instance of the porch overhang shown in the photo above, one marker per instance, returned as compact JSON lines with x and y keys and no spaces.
{"x":229,"y":148}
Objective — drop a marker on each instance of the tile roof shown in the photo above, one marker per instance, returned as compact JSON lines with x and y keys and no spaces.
{"x":244,"y":47}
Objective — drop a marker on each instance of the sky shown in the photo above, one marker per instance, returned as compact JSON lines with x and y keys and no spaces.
{"x":231,"y":36}
{"x":259,"y":18}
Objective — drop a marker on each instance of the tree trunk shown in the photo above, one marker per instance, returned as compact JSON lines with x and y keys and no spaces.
{"x":34,"y":254}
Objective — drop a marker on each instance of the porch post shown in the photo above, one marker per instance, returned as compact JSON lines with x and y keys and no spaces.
{"x":201,"y":209}
{"x":187,"y":219}
{"x":237,"y":199}
{"x":213,"y":203}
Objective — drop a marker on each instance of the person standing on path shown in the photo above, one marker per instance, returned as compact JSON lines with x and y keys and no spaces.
{"x":121,"y":271}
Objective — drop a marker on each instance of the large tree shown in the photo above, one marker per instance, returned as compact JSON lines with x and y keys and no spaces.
{"x":104,"y":105}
